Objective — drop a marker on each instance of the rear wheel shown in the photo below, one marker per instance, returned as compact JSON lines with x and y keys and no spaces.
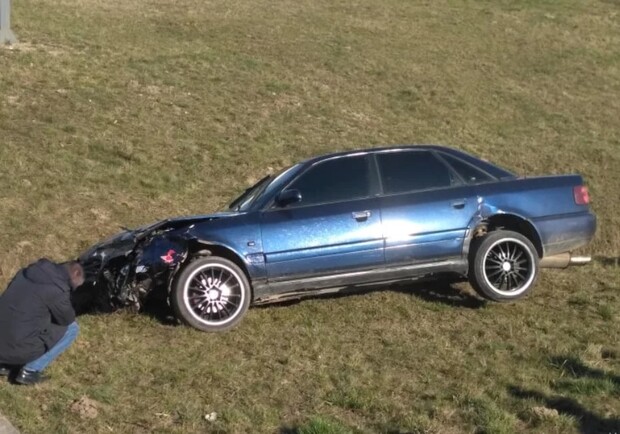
{"x":211,"y":294}
{"x":503,"y":266}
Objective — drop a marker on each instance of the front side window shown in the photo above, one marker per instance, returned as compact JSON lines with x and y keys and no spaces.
{"x":413,"y":170}
{"x":336,"y":180}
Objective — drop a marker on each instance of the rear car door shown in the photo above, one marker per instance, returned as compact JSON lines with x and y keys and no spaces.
{"x":426,"y":207}
{"x":335,"y":228}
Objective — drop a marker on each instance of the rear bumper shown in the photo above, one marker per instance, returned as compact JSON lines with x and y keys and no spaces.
{"x":560,"y":234}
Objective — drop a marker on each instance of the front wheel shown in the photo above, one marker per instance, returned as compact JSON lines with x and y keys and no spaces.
{"x":211,"y":294}
{"x":503,"y":266}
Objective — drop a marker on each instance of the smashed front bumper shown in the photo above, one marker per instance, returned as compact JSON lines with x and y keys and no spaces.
{"x":125,"y":269}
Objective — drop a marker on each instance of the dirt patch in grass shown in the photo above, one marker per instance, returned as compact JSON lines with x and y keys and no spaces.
{"x":85,"y":408}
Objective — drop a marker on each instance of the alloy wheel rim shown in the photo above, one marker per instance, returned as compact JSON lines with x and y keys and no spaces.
{"x":214,"y":294}
{"x":509,"y":267}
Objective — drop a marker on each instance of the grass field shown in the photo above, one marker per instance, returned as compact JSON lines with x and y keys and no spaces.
{"x":122,"y":113}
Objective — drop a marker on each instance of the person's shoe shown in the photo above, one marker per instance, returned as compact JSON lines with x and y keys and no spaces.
{"x":5,"y":371}
{"x":26,"y":377}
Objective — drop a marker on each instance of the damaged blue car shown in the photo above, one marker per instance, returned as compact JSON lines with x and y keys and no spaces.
{"x":346,"y":220}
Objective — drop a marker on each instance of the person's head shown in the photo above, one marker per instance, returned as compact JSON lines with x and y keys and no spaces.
{"x":76,"y":273}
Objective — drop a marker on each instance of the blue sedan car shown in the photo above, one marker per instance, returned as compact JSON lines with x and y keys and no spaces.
{"x":348,"y":219}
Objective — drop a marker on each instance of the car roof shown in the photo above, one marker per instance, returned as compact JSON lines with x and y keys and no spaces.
{"x":375,"y":149}
{"x":485,"y":165}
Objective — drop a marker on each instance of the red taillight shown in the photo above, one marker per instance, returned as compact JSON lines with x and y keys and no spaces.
{"x":582,"y":195}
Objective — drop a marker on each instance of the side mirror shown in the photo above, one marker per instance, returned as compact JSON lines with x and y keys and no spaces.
{"x":288,"y":197}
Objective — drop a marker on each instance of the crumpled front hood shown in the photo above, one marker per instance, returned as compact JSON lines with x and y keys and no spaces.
{"x":124,"y":242}
{"x":179,"y":222}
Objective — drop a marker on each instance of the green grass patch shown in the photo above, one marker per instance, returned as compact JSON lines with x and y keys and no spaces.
{"x":490,"y":418}
{"x":320,"y":425}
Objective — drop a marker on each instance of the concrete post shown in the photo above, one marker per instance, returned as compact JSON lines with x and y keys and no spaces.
{"x":6,"y":35}
{"x":6,"y":427}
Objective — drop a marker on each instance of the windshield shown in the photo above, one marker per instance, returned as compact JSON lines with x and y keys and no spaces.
{"x":249,"y":196}
{"x":240,"y":203}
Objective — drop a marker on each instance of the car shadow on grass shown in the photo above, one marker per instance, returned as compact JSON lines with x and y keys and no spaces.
{"x":589,"y":422}
{"x":155,"y":306}
{"x":444,"y":292}
{"x":608,"y":261}
{"x":441,"y":291}
{"x":578,"y":378}
{"x":159,"y":310}
{"x":577,"y":369}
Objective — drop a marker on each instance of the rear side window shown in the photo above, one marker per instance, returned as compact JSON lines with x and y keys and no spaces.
{"x":413,"y":170}
{"x":469,"y":173}
{"x":334,"y":180}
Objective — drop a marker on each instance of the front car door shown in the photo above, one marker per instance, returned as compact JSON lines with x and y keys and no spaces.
{"x":426,"y":207}
{"x":334,"y":229}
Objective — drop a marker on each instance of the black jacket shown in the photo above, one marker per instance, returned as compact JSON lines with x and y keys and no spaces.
{"x":35,"y":311}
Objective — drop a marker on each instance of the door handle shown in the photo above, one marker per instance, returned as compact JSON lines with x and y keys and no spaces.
{"x":459,"y":204}
{"x":361,"y":215}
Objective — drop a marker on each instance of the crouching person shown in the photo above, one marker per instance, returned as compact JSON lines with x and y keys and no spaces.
{"x":37,"y":320}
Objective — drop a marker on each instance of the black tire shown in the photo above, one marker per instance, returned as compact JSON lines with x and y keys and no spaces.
{"x":211,"y":294}
{"x":503,"y":266}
